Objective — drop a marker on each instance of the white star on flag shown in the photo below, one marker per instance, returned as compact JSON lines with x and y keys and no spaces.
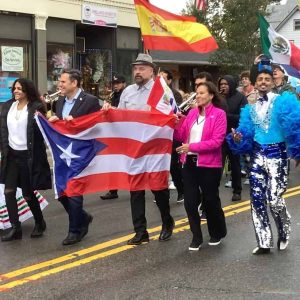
{"x":67,"y":154}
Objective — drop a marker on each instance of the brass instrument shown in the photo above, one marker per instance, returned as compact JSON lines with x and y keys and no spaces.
{"x":51,"y":99}
{"x":187,"y":104}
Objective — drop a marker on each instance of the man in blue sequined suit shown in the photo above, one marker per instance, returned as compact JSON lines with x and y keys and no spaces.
{"x":269,"y":131}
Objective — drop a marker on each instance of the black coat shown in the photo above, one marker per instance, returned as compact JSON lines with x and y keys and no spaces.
{"x":235,"y":102}
{"x":84,"y":104}
{"x":40,"y":176}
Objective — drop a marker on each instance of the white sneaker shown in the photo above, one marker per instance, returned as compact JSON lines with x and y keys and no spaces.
{"x":214,"y":242}
{"x":247,"y":181}
{"x":172,"y":186}
{"x":228,"y":184}
{"x":283,"y":245}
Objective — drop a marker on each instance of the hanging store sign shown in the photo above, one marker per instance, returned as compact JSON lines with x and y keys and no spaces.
{"x":12,"y":58}
{"x":99,"y":16}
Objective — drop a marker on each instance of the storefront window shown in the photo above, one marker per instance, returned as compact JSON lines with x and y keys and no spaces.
{"x":59,"y":57}
{"x":96,"y":68}
{"x":15,"y":62}
{"x":124,"y":60}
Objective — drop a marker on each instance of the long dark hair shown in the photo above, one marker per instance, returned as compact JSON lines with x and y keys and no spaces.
{"x":28,"y":88}
{"x":212,"y":89}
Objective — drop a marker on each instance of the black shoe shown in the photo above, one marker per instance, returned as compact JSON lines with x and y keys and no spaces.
{"x":15,"y":233}
{"x":180,"y":198}
{"x":72,"y":238}
{"x":236,"y":197}
{"x":109,"y":196}
{"x":139,"y":238}
{"x":166,"y":232}
{"x":258,"y":251}
{"x":85,"y":227}
{"x":214,"y":241}
{"x":38,"y":229}
{"x":195,"y":245}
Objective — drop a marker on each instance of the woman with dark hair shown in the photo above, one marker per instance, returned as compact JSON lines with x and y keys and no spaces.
{"x":202,"y":133}
{"x":24,"y":161}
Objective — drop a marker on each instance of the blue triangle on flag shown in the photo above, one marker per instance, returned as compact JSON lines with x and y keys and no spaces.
{"x":71,"y":156}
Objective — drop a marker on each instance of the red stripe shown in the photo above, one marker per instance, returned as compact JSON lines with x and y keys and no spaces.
{"x":133,"y":148}
{"x":177,"y":44}
{"x":163,"y":13}
{"x":295,"y":56}
{"x":113,"y":115}
{"x":109,"y":181}
{"x":156,"y":93}
{"x":20,"y":214}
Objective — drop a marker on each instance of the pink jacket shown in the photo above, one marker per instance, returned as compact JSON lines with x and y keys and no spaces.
{"x":209,"y":149}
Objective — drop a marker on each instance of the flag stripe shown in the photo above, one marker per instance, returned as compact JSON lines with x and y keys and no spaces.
{"x":121,"y":163}
{"x":135,"y":149}
{"x":149,"y":181}
{"x":187,"y":31}
{"x":128,"y":130}
{"x":264,"y":33}
{"x":295,"y":56}
{"x":80,"y":124}
{"x":205,"y":45}
{"x":163,"y":13}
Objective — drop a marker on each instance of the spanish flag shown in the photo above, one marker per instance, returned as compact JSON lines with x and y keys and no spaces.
{"x":162,"y":30}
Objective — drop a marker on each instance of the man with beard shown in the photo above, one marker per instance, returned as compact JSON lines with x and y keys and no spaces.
{"x":269,"y":131}
{"x":118,"y":86}
{"x":135,"y":97}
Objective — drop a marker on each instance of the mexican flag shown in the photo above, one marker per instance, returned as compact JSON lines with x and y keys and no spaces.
{"x":281,"y":50}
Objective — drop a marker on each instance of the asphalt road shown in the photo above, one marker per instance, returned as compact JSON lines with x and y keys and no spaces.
{"x":102,"y":266}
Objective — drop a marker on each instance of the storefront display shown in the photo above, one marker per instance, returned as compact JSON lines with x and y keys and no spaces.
{"x":96,"y":68}
{"x":59,"y":57}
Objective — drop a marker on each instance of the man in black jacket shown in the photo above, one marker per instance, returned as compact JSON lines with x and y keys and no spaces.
{"x":235,"y":101}
{"x":175,"y":168}
{"x":74,"y":103}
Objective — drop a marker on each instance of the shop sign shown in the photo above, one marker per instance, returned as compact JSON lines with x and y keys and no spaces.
{"x":12,"y":58}
{"x":99,"y":16}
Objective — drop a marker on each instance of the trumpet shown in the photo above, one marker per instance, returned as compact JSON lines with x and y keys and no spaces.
{"x":187,"y":104}
{"x":52,"y":98}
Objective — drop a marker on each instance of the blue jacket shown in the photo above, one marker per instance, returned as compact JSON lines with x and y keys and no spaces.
{"x":281,"y":124}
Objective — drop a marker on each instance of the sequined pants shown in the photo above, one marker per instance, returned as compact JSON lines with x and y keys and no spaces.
{"x":268,"y":182}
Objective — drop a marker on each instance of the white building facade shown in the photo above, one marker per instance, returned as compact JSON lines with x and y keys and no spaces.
{"x":39,"y":38}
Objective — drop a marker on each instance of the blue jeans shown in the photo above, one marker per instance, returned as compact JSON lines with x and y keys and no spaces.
{"x":77,"y":215}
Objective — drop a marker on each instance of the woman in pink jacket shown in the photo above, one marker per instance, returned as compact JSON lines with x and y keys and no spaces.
{"x":202,"y":133}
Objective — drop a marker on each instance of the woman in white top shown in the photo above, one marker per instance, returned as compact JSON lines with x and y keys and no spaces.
{"x":24,"y":161}
{"x":202,"y":133}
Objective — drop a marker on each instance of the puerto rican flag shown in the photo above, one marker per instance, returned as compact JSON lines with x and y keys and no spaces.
{"x":115,"y":149}
{"x":161,"y":98}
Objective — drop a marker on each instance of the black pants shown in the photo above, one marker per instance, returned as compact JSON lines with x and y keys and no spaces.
{"x":78,"y":217}
{"x":176,"y":169}
{"x":137,"y":201}
{"x":18,"y":175}
{"x":235,"y":168}
{"x":208,"y":179}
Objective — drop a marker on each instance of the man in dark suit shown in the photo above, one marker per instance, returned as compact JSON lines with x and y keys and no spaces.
{"x":74,"y":103}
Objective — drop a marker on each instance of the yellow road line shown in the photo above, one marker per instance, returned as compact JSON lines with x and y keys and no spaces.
{"x":101,"y":255}
{"x":75,"y":255}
